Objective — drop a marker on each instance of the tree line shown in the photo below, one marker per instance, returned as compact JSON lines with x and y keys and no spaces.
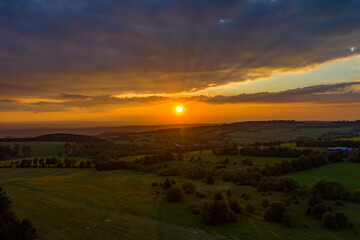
{"x":52,"y":162}
{"x":17,"y":151}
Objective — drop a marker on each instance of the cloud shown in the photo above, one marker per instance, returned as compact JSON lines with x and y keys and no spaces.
{"x":4,"y":100}
{"x":334,"y":93}
{"x":110,"y":47}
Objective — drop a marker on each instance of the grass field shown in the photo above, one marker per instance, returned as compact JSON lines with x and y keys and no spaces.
{"x":39,"y":149}
{"x":283,"y":134}
{"x":293,"y":145}
{"x":345,"y":172}
{"x":352,"y":139}
{"x":207,"y":155}
{"x":85,"y":204}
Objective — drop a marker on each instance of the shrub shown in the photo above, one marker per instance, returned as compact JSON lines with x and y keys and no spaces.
{"x":228,"y":193}
{"x":227,"y":176}
{"x":319,"y":209}
{"x":337,"y":190}
{"x":288,"y":220}
{"x":167,"y":172}
{"x":339,"y":203}
{"x":214,"y":212}
{"x":275,"y":212}
{"x":355,"y":196}
{"x":197,"y":172}
{"x":328,"y":220}
{"x":175,"y":194}
{"x":330,"y":190}
{"x":235,"y":206}
{"x":218,"y":196}
{"x":264,"y":203}
{"x":263,"y":187}
{"x":167,"y":184}
{"x":308,"y":211}
{"x":199,"y":194}
{"x":188,"y":187}
{"x":209,"y":180}
{"x":287,"y":184}
{"x":195,"y":210}
{"x":341,"y":219}
{"x":249,"y":208}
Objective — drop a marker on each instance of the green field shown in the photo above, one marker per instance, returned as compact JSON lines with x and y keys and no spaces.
{"x":86,"y":204}
{"x":345,"y":172}
{"x":283,"y":134}
{"x":352,"y":139}
{"x":208,"y":156}
{"x":39,"y":149}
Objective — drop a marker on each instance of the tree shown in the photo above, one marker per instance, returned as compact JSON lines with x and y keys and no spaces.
{"x":88,"y":164}
{"x":26,"y":150}
{"x":218,"y":196}
{"x":167,"y":184}
{"x":188,"y":187}
{"x":287,"y":184}
{"x":69,"y":162}
{"x":209,"y":180}
{"x":341,"y":219}
{"x":264,"y":203}
{"x":274,"y":212}
{"x":355,"y":196}
{"x":328,"y":220}
{"x":12,"y":228}
{"x":175,"y":194}
{"x":234,"y":205}
{"x":82,"y":164}
{"x":215,"y":212}
{"x":319,"y":209}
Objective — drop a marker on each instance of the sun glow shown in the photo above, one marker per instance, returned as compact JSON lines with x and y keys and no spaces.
{"x":179,"y":109}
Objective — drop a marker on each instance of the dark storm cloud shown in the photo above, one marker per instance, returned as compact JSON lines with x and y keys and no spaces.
{"x":150,"y":46}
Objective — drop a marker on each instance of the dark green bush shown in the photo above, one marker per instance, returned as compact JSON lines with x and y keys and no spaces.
{"x":188,"y":187}
{"x":210,"y":180}
{"x":287,"y":184}
{"x":328,"y":220}
{"x":199,"y":195}
{"x":167,"y":184}
{"x":219,"y":196}
{"x":265,"y":203}
{"x":175,"y":194}
{"x":235,"y":206}
{"x":355,"y":196}
{"x":319,"y":209}
{"x":274,"y":212}
{"x":215,"y":212}
{"x":342,"y":220}
{"x":227,"y":176}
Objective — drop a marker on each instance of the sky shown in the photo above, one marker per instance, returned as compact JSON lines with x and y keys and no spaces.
{"x":135,"y":61}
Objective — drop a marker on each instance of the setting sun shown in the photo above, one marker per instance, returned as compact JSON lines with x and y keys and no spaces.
{"x":179,"y":109}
